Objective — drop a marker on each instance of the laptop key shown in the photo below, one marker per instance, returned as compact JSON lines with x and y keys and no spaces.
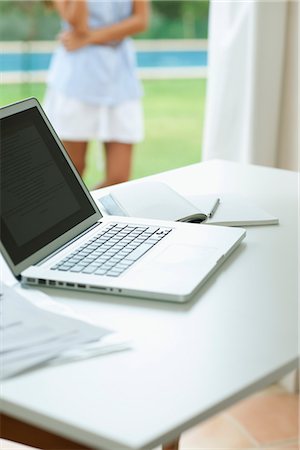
{"x":138,"y":252}
{"x":113,"y":273}
{"x":77,"y":268}
{"x":123,"y":267}
{"x":90,"y":269}
{"x":100,"y":271}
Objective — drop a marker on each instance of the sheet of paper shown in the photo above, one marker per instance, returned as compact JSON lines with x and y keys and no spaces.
{"x":30,"y":335}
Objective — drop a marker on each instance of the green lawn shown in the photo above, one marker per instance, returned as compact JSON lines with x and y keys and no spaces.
{"x":174,"y":112}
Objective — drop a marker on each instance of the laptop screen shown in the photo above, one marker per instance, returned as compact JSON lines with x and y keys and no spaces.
{"x":41,"y":197}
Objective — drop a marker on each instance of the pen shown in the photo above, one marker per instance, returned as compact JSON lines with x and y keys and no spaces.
{"x":214,"y":208}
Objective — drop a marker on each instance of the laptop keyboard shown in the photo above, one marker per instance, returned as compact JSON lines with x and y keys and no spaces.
{"x":112,"y":250}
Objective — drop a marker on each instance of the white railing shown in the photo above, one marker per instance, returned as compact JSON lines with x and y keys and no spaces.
{"x":140,"y":45}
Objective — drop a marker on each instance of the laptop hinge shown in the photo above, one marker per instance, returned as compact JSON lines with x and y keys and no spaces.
{"x":68,"y":243}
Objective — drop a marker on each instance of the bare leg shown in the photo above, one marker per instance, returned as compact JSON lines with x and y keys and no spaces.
{"x":172,"y":445}
{"x":77,"y":152}
{"x":118,"y":163}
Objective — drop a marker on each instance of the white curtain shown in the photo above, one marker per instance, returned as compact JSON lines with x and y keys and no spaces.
{"x":251,"y":107}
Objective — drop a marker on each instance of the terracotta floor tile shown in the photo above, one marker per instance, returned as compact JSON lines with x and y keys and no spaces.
{"x":216,"y":433}
{"x":294,"y":446}
{"x":269,"y":418}
{"x":291,"y":447}
{"x":9,"y":445}
{"x":273,"y":389}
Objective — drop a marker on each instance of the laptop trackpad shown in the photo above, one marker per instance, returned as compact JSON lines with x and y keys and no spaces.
{"x":176,"y":270}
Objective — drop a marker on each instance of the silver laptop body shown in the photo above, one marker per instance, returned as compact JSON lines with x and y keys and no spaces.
{"x":53,"y":234}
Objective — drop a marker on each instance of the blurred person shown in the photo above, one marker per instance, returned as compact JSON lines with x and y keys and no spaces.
{"x":93,"y":92}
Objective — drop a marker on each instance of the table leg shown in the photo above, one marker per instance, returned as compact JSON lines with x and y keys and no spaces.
{"x":174,"y":445}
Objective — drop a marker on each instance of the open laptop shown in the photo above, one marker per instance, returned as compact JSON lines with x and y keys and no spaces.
{"x":53,"y":234}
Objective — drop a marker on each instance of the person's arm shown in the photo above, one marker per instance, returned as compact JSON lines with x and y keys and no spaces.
{"x":136,"y":23}
{"x":74,"y":12}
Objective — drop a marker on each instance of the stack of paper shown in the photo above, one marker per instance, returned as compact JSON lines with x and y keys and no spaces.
{"x":30,"y":336}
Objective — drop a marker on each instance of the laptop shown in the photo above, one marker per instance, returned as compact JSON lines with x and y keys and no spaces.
{"x":53,"y":234}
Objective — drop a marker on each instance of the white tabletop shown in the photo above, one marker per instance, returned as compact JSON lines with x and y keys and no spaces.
{"x":189,"y":361}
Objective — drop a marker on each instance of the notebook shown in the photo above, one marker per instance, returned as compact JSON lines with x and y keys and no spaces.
{"x":53,"y":234}
{"x":235,"y":210}
{"x":157,"y":200}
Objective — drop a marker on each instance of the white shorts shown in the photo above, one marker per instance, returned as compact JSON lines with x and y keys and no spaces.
{"x":74,"y":120}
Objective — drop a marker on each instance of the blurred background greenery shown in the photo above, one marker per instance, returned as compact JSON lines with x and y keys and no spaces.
{"x":29,"y":20}
{"x":174,"y":108}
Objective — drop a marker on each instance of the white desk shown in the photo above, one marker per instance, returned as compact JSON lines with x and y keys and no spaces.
{"x":190,"y":361}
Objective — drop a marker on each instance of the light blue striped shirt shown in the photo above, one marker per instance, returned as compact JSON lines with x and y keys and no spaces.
{"x":98,"y":74}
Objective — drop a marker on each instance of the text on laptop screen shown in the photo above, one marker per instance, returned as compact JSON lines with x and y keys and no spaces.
{"x":41,"y":197}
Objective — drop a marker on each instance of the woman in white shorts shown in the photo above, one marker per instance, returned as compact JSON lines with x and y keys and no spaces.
{"x":93,"y":91}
